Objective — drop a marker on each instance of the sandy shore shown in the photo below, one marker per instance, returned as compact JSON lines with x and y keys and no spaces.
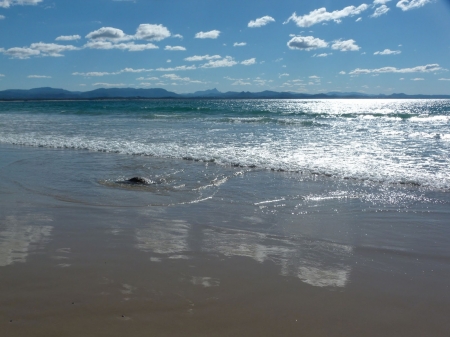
{"x":74,"y":269}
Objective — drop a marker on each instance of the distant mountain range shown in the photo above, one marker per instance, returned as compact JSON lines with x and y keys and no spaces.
{"x":131,"y":93}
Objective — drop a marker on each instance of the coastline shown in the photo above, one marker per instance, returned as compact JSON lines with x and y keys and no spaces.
{"x":74,"y":264}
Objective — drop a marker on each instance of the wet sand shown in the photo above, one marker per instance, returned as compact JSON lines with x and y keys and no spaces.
{"x":78,"y":269}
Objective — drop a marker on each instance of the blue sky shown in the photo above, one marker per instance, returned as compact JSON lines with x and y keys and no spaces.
{"x":188,"y":45}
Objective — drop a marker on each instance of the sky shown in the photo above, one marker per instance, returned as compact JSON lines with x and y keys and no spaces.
{"x":378,"y":47}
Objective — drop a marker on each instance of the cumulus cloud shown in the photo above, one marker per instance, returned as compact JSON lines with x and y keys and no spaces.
{"x":388,"y":52}
{"x":178,"y":36}
{"x":151,"y":32}
{"x":52,"y":49}
{"x":406,"y":5}
{"x":347,"y":45}
{"x":175,"y":48}
{"x":109,"y":85}
{"x":419,"y":69}
{"x":108,"y":33}
{"x":20,"y":53}
{"x":227,"y":61}
{"x":383,"y":9}
{"x":342,"y":73}
{"x":380,"y":2}
{"x":68,"y":37}
{"x":261,"y":22}
{"x":202,"y":58}
{"x":241,"y":82}
{"x":175,"y":77}
{"x":99,"y":74}
{"x":306,"y":43}
{"x":321,"y":15}
{"x":417,"y":79}
{"x":444,"y":79}
{"x":9,"y":3}
{"x":93,"y":74}
{"x":179,"y":68}
{"x":147,"y":32}
{"x":239,"y":44}
{"x":249,"y":62}
{"x":212,"y":34}
{"x":130,"y":46}
{"x":38,"y":76}
{"x":322,"y":55}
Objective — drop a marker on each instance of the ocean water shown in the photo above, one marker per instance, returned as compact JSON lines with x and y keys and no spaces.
{"x":314,"y":186}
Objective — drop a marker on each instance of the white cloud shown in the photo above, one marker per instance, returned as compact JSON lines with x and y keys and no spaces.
{"x":175,"y":48}
{"x":249,"y":62}
{"x":2,"y":17}
{"x":179,"y":68}
{"x":342,"y":73}
{"x":347,"y":45}
{"x":20,"y":53}
{"x":380,"y":2}
{"x":261,"y":22}
{"x":8,"y":3}
{"x":406,"y":5}
{"x":131,"y":70}
{"x":321,"y":15}
{"x":227,"y":61}
{"x":174,"y":77}
{"x":1,"y":75}
{"x":68,"y":38}
{"x":147,"y":32}
{"x":213,"y":34}
{"x":108,"y":33}
{"x":314,"y":77}
{"x":241,"y":82}
{"x":99,"y":74}
{"x":147,"y":79}
{"x":322,"y":55}
{"x":109,"y":85}
{"x":178,"y":36}
{"x":151,"y":32}
{"x":306,"y":43}
{"x":202,"y":58}
{"x":388,"y":52}
{"x":358,"y":19}
{"x":417,"y":79}
{"x":444,"y":79}
{"x":93,"y":74}
{"x":52,"y":49}
{"x":38,"y":76}
{"x":130,"y":46}
{"x":283,"y":75}
{"x":383,"y":9}
{"x":419,"y":69}
{"x":239,"y":44}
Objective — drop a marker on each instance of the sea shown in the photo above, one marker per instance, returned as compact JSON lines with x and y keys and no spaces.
{"x":312,"y":186}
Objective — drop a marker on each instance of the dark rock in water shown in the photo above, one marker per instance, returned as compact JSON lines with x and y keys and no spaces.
{"x":140,"y":180}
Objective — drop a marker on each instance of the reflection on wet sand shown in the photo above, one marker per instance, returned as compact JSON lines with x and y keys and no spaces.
{"x":19,"y":235}
{"x":164,"y":237}
{"x":318,"y":263}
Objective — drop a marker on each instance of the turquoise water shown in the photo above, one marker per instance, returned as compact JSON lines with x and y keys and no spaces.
{"x":387,"y":141}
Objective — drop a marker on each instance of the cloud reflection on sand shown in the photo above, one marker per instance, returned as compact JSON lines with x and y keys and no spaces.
{"x":318,"y":263}
{"x":19,"y":235}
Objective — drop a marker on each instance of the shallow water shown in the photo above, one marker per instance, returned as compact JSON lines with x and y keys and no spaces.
{"x":364,"y":238}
